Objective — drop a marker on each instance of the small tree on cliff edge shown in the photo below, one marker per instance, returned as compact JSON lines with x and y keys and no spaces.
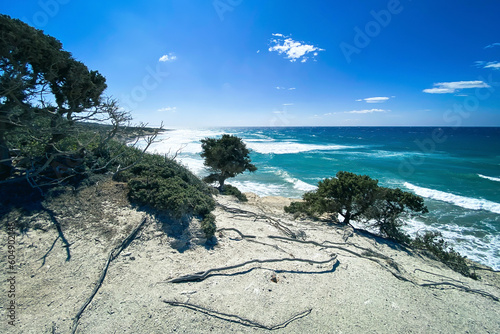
{"x":226,"y":157}
{"x":348,"y":194}
{"x":360,"y":198}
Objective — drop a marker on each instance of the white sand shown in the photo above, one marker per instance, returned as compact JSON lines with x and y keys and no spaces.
{"x":355,"y":295}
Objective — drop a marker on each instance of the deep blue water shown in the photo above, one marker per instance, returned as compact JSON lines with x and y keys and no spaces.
{"x":456,"y":170}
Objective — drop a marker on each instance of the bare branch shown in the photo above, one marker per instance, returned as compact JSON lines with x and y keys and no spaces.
{"x":149,"y":141}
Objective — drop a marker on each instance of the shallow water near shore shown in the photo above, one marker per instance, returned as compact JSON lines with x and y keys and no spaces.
{"x":456,"y":170}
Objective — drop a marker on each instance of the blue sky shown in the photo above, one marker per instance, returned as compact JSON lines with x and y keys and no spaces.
{"x":286,"y":63}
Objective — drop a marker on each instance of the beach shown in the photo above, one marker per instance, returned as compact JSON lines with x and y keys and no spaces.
{"x":287,"y":275}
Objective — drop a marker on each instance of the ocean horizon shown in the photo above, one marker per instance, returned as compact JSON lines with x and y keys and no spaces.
{"x":456,"y":170}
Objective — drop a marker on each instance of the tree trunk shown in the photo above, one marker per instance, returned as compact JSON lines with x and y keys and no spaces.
{"x":221,"y":184}
{"x":347,"y":218}
{"x":5,"y":161}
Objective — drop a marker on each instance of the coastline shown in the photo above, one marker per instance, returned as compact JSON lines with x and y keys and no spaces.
{"x":293,"y":160}
{"x":349,"y":282}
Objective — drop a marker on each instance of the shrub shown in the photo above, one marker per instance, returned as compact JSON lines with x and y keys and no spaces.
{"x":233,"y":191}
{"x":163,"y":184}
{"x":434,"y":243}
{"x":208,"y":225}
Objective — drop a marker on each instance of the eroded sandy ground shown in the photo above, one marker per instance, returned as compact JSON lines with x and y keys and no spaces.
{"x":350,"y":284}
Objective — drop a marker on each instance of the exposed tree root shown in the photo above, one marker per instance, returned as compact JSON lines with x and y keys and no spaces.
{"x":388,"y":264}
{"x":200,"y":276}
{"x":393,"y":267}
{"x":244,"y":236}
{"x":47,"y":254}
{"x":274,"y":222}
{"x":112,"y":255}
{"x":60,"y":232}
{"x":237,"y":319}
{"x":428,"y":272}
{"x":463,"y":288}
{"x":251,"y":238}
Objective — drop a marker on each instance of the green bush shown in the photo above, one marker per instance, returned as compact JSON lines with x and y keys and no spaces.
{"x":434,"y":243}
{"x":208,"y":225}
{"x":233,"y":191}
{"x":163,"y":184}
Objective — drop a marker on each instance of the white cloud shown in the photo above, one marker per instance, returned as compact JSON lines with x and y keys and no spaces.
{"x":172,"y":109}
{"x":365,"y":111}
{"x":378,"y":99}
{"x":168,"y":57}
{"x":492,"y":45}
{"x":284,"y":88}
{"x":292,"y":49}
{"x":288,"y":104}
{"x":293,"y":88}
{"x":493,"y":64}
{"x":438,"y":90}
{"x":452,"y":87}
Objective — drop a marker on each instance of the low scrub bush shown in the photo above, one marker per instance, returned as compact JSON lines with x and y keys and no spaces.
{"x":233,"y":191}
{"x":208,"y":225}
{"x":434,"y":244}
{"x":161,"y":183}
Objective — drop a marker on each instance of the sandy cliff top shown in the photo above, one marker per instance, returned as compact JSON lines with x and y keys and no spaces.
{"x":292,"y":276}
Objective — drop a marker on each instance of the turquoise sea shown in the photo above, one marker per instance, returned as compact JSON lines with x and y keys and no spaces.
{"x":456,"y":170}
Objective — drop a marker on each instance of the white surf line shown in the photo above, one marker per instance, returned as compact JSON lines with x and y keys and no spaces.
{"x":497,"y":179}
{"x":462,"y":201}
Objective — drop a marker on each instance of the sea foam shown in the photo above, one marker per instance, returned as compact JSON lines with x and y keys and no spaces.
{"x":290,"y":147}
{"x":297,"y":184}
{"x":261,"y":189}
{"x":462,"y":201}
{"x":497,"y":179}
{"x":463,"y":240}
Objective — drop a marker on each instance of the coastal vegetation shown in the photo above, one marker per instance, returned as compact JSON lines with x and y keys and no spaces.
{"x":226,"y":157}
{"x":230,"y":190}
{"x":162,"y":184}
{"x":58,"y":129}
{"x":359,"y":198}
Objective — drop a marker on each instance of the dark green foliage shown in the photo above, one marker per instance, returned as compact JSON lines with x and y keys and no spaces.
{"x":360,"y":198}
{"x":163,"y":184}
{"x":226,"y":157}
{"x":233,"y":191}
{"x":434,"y":243}
{"x":388,"y":209}
{"x":38,"y":131}
{"x":47,"y":101}
{"x":348,"y":194}
{"x":208,"y":225}
{"x":296,"y":207}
